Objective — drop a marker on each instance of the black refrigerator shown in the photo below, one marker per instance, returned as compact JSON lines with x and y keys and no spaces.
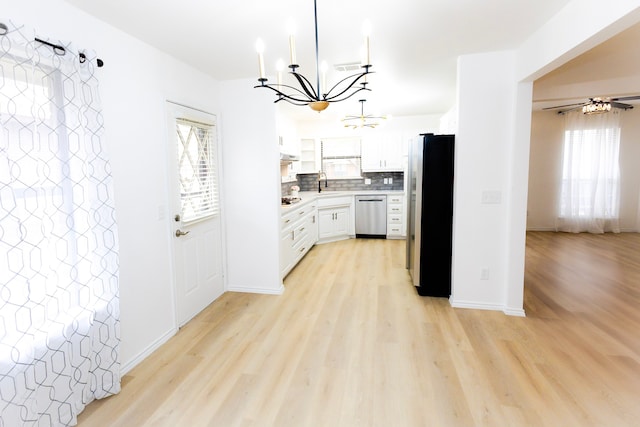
{"x":430,"y":213}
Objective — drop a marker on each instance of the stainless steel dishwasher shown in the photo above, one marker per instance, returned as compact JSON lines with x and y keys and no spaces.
{"x":371,"y":216}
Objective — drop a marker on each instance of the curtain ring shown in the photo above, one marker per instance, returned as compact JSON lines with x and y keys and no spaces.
{"x":3,"y":29}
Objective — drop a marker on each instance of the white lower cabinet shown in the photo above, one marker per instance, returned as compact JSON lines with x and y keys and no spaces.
{"x":335,"y":218}
{"x":395,"y":216}
{"x":334,"y":223}
{"x":299,"y":233}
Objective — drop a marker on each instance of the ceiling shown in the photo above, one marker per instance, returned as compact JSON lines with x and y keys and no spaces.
{"x":414,"y":43}
{"x":610,"y":69}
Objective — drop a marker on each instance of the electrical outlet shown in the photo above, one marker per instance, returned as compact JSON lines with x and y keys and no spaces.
{"x":491,"y":197}
{"x":390,"y":181}
{"x":484,"y":273}
{"x":367,"y":181}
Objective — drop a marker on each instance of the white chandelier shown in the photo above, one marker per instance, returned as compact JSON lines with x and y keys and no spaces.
{"x":318,"y":97}
{"x":362,"y":121}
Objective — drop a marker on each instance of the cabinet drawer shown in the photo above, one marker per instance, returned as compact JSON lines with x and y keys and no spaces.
{"x":394,"y":219}
{"x":299,"y":233}
{"x":395,"y":199}
{"x":287,"y":221}
{"x":394,"y":230}
{"x":394,"y":209}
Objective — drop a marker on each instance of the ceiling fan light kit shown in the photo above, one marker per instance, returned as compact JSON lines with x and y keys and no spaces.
{"x":596,"y":105}
{"x":318,"y":98}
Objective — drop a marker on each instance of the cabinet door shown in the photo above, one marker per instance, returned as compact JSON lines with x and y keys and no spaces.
{"x":383,"y":152}
{"x":341,"y":222}
{"x":370,"y":160}
{"x":325,"y":223}
{"x":392,"y":154}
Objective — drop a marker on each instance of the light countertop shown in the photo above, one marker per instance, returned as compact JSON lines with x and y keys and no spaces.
{"x":310,"y":196}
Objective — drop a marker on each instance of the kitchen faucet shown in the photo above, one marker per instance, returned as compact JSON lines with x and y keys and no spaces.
{"x":320,"y":175}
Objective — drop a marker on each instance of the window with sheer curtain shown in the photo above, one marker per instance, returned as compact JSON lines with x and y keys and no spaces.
{"x":59,"y":312}
{"x":590,"y":190}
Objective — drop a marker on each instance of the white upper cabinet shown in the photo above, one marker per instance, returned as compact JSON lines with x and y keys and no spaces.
{"x":383,"y":152}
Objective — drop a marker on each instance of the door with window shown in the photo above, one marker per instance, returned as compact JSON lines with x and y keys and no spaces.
{"x":196,"y":228}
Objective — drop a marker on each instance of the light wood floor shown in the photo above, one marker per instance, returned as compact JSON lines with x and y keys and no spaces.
{"x":351,"y":344}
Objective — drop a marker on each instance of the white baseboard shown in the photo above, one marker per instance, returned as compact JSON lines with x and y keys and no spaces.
{"x":249,"y":290}
{"x":541,"y":229}
{"x":125,"y":368}
{"x":514,"y":312}
{"x":483,"y":306}
{"x":334,"y":239}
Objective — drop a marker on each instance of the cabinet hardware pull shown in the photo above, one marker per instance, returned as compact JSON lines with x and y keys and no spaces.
{"x":287,"y":221}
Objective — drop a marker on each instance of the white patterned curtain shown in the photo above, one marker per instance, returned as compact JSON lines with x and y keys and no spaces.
{"x":59,"y":312}
{"x":590,"y":193}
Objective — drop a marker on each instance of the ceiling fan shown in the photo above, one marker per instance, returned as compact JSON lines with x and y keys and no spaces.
{"x":596,"y":105}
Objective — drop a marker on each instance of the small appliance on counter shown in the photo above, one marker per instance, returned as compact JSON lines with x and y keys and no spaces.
{"x":289,"y":200}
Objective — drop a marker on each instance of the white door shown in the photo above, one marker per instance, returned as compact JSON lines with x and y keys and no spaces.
{"x":196,"y":227}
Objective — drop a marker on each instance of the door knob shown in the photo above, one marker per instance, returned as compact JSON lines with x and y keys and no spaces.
{"x":181,"y":233}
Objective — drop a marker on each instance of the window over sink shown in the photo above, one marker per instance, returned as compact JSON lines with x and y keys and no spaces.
{"x":341,"y":158}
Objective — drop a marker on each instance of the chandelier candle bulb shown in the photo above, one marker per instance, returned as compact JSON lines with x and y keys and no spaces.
{"x":291,"y":30}
{"x":292,"y":49}
{"x":367,"y":50}
{"x":366,"y":31}
{"x":260,"y":50}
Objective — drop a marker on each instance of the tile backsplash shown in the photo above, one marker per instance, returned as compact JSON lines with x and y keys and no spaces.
{"x":309,"y":182}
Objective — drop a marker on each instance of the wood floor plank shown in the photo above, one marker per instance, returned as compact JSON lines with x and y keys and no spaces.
{"x":350,"y":343}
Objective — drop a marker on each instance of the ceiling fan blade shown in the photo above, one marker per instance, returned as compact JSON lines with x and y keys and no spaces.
{"x":571,"y":109}
{"x":626,"y":98}
{"x":563,"y":106}
{"x":621,"y":105}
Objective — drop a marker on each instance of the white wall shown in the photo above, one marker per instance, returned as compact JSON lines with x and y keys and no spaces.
{"x":482,"y":166}
{"x":135,"y":82}
{"x":545,"y":170}
{"x":252,"y":188}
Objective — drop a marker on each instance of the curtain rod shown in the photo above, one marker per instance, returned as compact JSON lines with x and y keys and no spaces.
{"x":60,"y":50}
{"x":57,"y":49}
